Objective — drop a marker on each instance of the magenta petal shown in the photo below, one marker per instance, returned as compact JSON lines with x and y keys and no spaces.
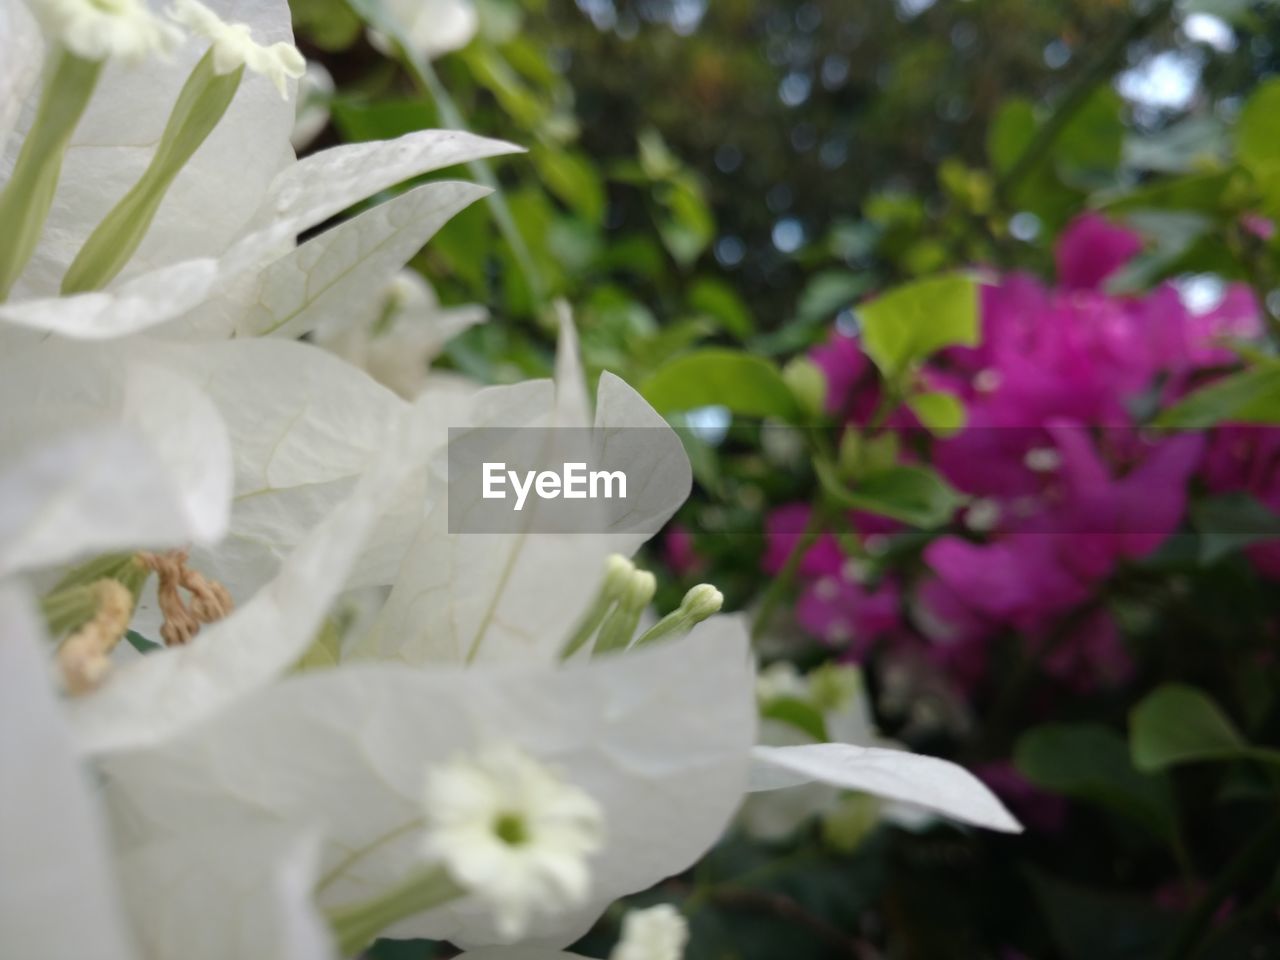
{"x":1091,"y":249}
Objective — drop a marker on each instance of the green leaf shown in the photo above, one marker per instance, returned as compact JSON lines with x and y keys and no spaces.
{"x":804,"y":717}
{"x":914,"y":495}
{"x":1230,"y":522}
{"x":1010,"y":132}
{"x":909,"y":323}
{"x":687,"y":225}
{"x":1088,"y":151}
{"x":1178,"y":724}
{"x":829,"y":292}
{"x":719,"y":300}
{"x":359,"y":120}
{"x":745,"y":384}
{"x":1090,"y":762}
{"x":1249,"y":397}
{"x":1258,"y":130}
{"x":940,"y":413}
{"x":573,"y":179}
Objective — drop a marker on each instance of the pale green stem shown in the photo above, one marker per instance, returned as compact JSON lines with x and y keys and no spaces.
{"x":200,"y":106}
{"x":28,"y":196}
{"x":357,"y":925}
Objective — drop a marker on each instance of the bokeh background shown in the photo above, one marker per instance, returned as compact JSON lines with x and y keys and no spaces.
{"x":723,"y":191}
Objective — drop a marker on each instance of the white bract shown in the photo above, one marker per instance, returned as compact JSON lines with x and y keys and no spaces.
{"x":249,"y":898}
{"x":218,"y":254}
{"x":512,"y":833}
{"x":658,"y":933}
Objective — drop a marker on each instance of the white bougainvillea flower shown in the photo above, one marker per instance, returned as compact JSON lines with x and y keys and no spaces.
{"x":837,"y":695}
{"x":429,"y":28}
{"x":397,"y":345}
{"x":658,"y":739}
{"x":656,"y":933}
{"x":250,"y":897}
{"x":233,"y":46}
{"x":512,"y":833}
{"x":219,"y":252}
{"x":500,"y":597}
{"x":106,"y":29}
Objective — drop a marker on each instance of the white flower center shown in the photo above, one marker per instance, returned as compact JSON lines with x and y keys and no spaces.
{"x":234,"y":46}
{"x":512,"y":833}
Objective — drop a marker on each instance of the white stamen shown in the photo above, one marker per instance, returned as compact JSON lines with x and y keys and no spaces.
{"x":106,"y":29}
{"x":512,"y":833}
{"x":234,"y":46}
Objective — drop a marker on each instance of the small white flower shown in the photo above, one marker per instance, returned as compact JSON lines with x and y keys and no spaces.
{"x":512,"y":833}
{"x":234,"y":46}
{"x":106,"y":29}
{"x":658,"y":933}
{"x":781,"y":681}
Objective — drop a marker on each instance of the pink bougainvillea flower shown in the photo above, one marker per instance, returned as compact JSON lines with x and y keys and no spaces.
{"x":1091,"y":249}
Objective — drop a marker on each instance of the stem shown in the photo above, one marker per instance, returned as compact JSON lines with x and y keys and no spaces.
{"x":357,"y":925}
{"x":27,"y":198}
{"x":426,"y":78}
{"x":782,"y":582}
{"x":1078,"y":93}
{"x":1259,"y":851}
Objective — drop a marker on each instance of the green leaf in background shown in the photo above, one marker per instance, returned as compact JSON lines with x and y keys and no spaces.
{"x":1010,"y":132}
{"x":1257,"y":140}
{"x":1249,"y":397}
{"x":573,"y":179}
{"x":744,"y":384}
{"x":909,"y":323}
{"x":830,"y":291}
{"x":719,"y":300}
{"x":1090,"y":762}
{"x":686,"y":224}
{"x":804,"y":717}
{"x":1230,"y":522}
{"x":1088,"y":923}
{"x":940,"y":413}
{"x":914,"y":495}
{"x":1179,"y":724}
{"x":1088,"y":151}
{"x":358,"y":119}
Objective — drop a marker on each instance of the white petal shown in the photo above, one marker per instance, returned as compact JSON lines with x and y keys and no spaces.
{"x":334,"y":274}
{"x":241,"y":893}
{"x":57,"y":889}
{"x":659,"y":738}
{"x":157,"y":696}
{"x":927,"y":782}
{"x":517,"y":595}
{"x":141,"y":461}
{"x":134,"y":305}
{"x":212,"y":200}
{"x":326,"y":183}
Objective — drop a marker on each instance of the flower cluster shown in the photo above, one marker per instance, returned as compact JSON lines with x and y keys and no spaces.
{"x":180,"y":463}
{"x":1065,"y":484}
